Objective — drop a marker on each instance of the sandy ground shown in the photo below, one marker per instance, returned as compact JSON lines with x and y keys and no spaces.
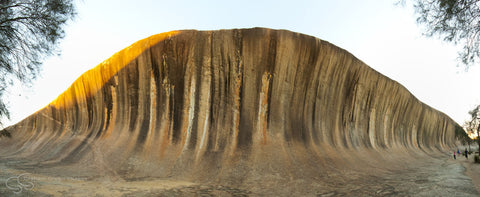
{"x":441,"y":176}
{"x":472,"y":170}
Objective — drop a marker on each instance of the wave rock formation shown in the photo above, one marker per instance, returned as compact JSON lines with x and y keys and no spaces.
{"x":232,"y":106}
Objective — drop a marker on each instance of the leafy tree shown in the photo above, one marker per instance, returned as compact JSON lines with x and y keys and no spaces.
{"x":462,"y":135}
{"x":29,"y":31}
{"x":456,"y":21}
{"x":473,"y":125}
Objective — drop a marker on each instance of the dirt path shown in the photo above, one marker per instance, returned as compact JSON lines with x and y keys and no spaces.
{"x":430,"y":177}
{"x":23,"y":183}
{"x":472,"y":170}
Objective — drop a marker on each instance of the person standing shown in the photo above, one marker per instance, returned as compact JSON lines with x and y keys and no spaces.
{"x":466,"y":153}
{"x":454,"y":156}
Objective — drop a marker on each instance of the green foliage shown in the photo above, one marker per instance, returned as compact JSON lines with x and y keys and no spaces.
{"x":476,"y":158}
{"x":473,"y":125}
{"x":456,"y":21}
{"x":29,"y":31}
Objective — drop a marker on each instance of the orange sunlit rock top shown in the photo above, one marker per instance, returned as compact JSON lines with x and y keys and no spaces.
{"x":91,"y":81}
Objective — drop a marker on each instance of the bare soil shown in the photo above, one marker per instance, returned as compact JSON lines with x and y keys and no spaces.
{"x":432,"y":177}
{"x":472,"y":170}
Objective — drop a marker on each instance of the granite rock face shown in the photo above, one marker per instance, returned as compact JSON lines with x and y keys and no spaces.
{"x":236,"y":106}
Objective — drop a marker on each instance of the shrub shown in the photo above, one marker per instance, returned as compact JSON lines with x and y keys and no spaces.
{"x":5,"y":133}
{"x":477,"y":159}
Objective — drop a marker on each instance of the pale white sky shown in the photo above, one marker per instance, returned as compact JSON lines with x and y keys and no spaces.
{"x":377,"y":32}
